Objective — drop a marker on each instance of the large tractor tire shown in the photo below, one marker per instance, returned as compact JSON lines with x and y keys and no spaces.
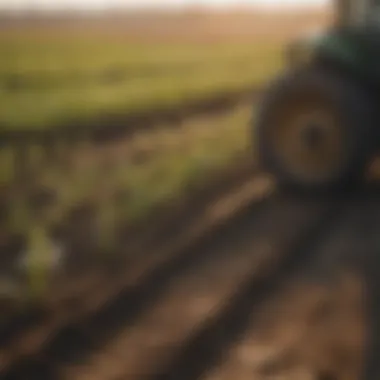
{"x":314,"y":131}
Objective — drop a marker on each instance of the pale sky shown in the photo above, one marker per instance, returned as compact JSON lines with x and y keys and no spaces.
{"x":101,"y":4}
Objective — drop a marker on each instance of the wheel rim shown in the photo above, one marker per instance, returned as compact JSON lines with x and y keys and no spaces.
{"x":308,"y":140}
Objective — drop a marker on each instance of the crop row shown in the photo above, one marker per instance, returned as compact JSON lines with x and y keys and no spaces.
{"x":45,"y":84}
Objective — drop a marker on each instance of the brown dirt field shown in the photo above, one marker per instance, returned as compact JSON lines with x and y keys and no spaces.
{"x":277,"y":292}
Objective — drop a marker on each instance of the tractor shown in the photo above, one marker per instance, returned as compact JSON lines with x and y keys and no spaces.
{"x":316,"y":126}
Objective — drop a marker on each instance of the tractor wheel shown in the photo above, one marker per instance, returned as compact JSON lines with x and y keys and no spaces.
{"x":314,"y":131}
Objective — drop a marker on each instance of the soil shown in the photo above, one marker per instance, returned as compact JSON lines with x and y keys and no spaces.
{"x":276,"y":289}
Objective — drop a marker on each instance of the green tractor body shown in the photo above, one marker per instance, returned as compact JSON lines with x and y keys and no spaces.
{"x":356,"y":52}
{"x":316,"y":128}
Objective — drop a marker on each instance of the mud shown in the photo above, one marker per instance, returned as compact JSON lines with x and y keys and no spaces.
{"x":278,"y":290}
{"x":157,"y":251}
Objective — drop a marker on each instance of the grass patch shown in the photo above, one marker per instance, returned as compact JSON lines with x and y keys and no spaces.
{"x":45,"y":83}
{"x":123,"y":183}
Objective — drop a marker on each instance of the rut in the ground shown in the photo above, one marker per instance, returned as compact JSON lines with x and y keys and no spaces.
{"x":191,"y":318}
{"x":239,"y":259}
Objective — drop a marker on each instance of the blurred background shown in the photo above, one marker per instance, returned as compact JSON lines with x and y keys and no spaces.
{"x":114,"y":112}
{"x":134,"y":224}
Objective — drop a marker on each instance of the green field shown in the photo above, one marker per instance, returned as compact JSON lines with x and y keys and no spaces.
{"x":121,"y":185}
{"x":50,"y":82}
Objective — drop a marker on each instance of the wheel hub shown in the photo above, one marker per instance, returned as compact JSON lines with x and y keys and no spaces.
{"x":312,"y":136}
{"x":308,"y":140}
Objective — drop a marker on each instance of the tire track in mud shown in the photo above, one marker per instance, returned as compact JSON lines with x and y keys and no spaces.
{"x":288,"y":240}
{"x":292,"y":235}
{"x":314,"y":328}
{"x":146,"y":279}
{"x":242,"y":248}
{"x":165,"y":226}
{"x":169,"y":226}
{"x":207,"y":346}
